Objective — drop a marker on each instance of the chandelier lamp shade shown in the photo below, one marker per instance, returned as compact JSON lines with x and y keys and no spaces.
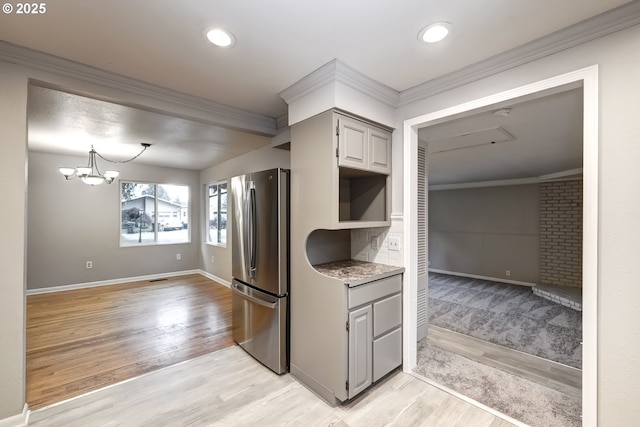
{"x":90,"y":174}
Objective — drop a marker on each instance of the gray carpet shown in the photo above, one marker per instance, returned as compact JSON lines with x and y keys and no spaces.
{"x":521,"y":399}
{"x":508,"y":315}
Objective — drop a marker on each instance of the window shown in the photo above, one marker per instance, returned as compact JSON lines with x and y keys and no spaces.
{"x":217,"y":213}
{"x":153,"y":214}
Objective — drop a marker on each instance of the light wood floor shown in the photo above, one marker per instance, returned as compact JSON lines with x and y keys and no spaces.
{"x":229,"y":388}
{"x":548,"y":373}
{"x":83,"y":340}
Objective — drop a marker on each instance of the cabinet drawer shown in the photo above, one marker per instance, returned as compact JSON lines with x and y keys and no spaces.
{"x":365,"y":294}
{"x":387,"y":314}
{"x":387,"y":353}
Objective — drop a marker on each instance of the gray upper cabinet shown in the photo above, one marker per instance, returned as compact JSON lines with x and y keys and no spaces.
{"x":339,"y":162}
{"x":353,"y":146}
{"x":379,"y":151}
{"x":363,"y":169}
{"x":363,"y":146}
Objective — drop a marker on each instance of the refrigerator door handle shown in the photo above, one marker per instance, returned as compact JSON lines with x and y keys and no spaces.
{"x":271,"y":305}
{"x":252,"y":229}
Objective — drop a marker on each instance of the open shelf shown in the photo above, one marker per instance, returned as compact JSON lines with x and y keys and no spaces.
{"x":362,"y":196}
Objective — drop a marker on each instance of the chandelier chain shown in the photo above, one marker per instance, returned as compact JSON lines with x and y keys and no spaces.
{"x":145,"y":146}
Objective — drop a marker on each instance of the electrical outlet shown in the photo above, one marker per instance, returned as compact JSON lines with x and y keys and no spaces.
{"x":508,"y":273}
{"x":212,"y":259}
{"x":89,"y":264}
{"x":178,"y":257}
{"x":394,"y":243}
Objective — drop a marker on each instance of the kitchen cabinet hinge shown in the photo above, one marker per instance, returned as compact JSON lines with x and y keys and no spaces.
{"x":347,"y":385}
{"x":337,"y":152}
{"x":347,"y":323}
{"x":338,"y":128}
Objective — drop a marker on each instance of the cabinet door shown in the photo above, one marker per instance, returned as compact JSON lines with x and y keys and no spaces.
{"x":353,"y":147}
{"x":379,"y":151}
{"x":360,"y":350}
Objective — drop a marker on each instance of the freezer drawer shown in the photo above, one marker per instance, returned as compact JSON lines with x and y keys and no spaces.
{"x":260,"y":325}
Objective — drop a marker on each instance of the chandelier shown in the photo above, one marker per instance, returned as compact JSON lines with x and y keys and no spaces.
{"x":90,"y":174}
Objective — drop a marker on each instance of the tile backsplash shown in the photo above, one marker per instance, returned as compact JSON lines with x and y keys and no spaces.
{"x":372,"y":244}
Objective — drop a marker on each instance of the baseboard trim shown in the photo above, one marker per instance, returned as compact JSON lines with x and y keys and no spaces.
{"x":110,"y":282}
{"x":215,"y":278}
{"x":20,"y":420}
{"x":474,"y":276}
{"x":317,"y":388}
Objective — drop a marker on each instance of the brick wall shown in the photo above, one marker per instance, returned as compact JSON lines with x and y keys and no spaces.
{"x":561,"y":233}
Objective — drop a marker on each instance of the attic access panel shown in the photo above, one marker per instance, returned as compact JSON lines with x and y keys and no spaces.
{"x":469,"y":140}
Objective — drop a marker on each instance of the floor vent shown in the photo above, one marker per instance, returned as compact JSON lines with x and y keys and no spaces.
{"x":156,"y":280}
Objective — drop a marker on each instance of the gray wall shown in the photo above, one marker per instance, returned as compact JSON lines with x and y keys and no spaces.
{"x":13,"y":187}
{"x":261,"y":159}
{"x":486,"y":231}
{"x":70,"y":223}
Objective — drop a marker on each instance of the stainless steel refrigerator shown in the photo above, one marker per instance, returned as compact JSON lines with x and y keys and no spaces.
{"x":260,"y":266}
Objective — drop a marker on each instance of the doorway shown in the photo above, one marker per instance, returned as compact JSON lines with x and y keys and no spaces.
{"x":586,"y":79}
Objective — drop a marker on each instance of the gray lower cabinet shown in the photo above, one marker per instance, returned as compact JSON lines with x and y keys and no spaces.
{"x":375,"y":331}
{"x":387,"y":335}
{"x":360,"y":349}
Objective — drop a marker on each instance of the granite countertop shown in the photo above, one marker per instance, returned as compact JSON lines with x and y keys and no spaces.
{"x":353,"y":272}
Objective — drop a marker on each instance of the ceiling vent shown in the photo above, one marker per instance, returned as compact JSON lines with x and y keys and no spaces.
{"x":469,"y":140}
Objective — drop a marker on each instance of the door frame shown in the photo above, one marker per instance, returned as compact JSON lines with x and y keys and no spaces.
{"x":587,"y":78}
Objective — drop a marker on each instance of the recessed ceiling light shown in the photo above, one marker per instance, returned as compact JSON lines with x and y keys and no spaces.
{"x":434,"y":32}
{"x":220,"y":37}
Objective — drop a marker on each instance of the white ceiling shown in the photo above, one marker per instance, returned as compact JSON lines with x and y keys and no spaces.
{"x":538,"y":137}
{"x":69,"y":124}
{"x":278,"y":42}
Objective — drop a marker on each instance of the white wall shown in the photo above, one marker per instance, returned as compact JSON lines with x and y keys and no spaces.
{"x":618,"y":57}
{"x":70,"y":223}
{"x":257,"y":160}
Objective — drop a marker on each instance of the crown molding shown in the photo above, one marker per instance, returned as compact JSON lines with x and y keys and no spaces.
{"x":220,"y":114}
{"x":338,"y":71}
{"x":568,"y":175}
{"x":617,"y":19}
{"x":282,"y":122}
{"x":607,"y":23}
{"x":590,"y":29}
